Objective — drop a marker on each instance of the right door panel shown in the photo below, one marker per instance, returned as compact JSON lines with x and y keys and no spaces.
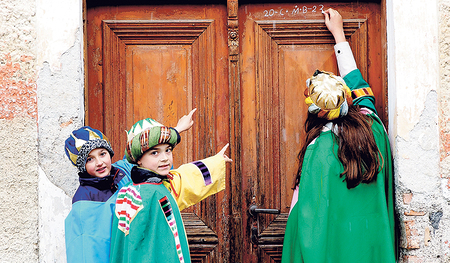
{"x":281,"y":46}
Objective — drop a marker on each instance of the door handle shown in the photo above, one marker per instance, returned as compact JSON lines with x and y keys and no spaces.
{"x":254,"y":210}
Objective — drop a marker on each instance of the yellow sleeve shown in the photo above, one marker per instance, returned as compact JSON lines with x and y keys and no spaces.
{"x":195,"y":181}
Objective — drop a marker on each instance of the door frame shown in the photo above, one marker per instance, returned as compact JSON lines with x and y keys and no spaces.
{"x":236,"y":213}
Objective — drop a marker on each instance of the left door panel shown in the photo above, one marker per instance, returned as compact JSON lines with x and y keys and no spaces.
{"x":160,"y":62}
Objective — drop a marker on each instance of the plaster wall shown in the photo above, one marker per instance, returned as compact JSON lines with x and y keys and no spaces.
{"x":18,"y":132}
{"x":444,"y":92}
{"x":444,"y":117}
{"x":414,"y":37}
{"x":41,"y":56}
{"x":19,"y":209}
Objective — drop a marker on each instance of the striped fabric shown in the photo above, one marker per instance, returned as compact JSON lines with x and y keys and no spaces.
{"x":167,"y":209}
{"x":165,"y":135}
{"x":128,"y":204}
{"x":144,"y":140}
{"x":357,"y":93}
{"x":205,"y":172}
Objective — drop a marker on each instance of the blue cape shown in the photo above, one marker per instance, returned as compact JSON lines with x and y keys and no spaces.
{"x":88,"y":226}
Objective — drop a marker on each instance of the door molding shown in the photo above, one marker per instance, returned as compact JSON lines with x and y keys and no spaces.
{"x":236,"y":227}
{"x":299,"y":32}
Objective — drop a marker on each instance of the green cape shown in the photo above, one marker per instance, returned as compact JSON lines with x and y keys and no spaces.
{"x":151,"y":235}
{"x":330,"y":223}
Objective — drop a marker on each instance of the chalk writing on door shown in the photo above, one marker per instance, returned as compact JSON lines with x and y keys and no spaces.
{"x":296,"y":10}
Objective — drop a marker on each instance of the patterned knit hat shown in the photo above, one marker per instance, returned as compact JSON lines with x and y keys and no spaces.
{"x":81,"y":142}
{"x":327,"y":95}
{"x":146,"y":134}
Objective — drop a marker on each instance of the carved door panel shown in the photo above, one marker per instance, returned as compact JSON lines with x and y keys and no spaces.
{"x":161,"y":62}
{"x":281,"y":46}
{"x":243,"y":66}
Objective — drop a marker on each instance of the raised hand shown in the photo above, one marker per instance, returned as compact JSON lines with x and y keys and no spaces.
{"x":334,"y":23}
{"x":222,"y":152}
{"x":185,"y":122}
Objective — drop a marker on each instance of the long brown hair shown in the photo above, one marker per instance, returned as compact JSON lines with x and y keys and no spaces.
{"x":357,"y":150}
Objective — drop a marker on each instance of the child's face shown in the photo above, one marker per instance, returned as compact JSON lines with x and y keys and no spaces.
{"x":158,"y":159}
{"x":98,"y":163}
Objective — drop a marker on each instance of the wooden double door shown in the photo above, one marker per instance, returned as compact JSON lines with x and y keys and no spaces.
{"x":243,"y":66}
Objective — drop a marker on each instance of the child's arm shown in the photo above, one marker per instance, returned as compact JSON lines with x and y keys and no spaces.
{"x":361,"y":92}
{"x":195,"y":181}
{"x":335,"y":24}
{"x":346,"y":61}
{"x":185,"y":122}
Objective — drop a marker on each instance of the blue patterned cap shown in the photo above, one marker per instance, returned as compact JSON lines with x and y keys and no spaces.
{"x":81,"y":142}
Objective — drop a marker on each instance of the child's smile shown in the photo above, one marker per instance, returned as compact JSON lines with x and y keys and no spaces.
{"x":101,"y":170}
{"x":164,"y":166}
{"x":98,"y":163}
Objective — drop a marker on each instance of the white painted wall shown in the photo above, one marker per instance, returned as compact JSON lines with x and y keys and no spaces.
{"x":413,"y":75}
{"x":58,"y":23}
{"x":55,"y":206}
{"x":60,"y":110}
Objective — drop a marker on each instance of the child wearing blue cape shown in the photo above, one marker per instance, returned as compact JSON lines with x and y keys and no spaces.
{"x":88,"y":225}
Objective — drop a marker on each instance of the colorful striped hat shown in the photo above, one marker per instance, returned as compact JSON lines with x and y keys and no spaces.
{"x":327,"y":95}
{"x":81,"y":142}
{"x":146,"y":134}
